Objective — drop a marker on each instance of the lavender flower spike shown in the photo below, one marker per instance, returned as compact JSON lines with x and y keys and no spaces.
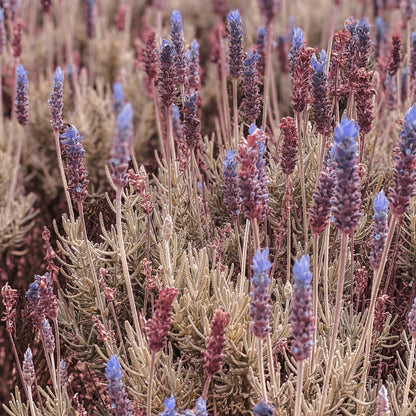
{"x":29,"y":374}
{"x":120,"y":402}
{"x":232,"y":199}
{"x":301,"y":316}
{"x":22,"y":101}
{"x":382,"y":403}
{"x":379,"y":229}
{"x":298,"y":40}
{"x":118,"y":97}
{"x":76,"y":172}
{"x":170,"y":407}
{"x":263,"y":409}
{"x":260,"y":305}
{"x":119,"y":161}
{"x":301,"y":273}
{"x":251,"y":102}
{"x":201,"y":407}
{"x":167,"y":74}
{"x":55,"y":101}
{"x":346,"y":201}
{"x":177,"y":40}
{"x":404,"y":175}
{"x":236,"y":44}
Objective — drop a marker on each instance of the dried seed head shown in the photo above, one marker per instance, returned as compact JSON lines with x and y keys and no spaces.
{"x":214,"y":354}
{"x":157,"y":327}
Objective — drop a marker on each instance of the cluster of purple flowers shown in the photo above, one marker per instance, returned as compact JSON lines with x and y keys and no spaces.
{"x":120,"y":150}
{"x":120,"y":402}
{"x":170,"y":408}
{"x":236,"y":55}
{"x":251,"y":104}
{"x":177,"y":40}
{"x":260,"y":305}
{"x":55,"y":101}
{"x":379,"y":229}
{"x":301,"y":316}
{"x":76,"y":172}
{"x":346,"y":202}
{"x":22,"y":100}
{"x":232,"y":199}
{"x":404,"y":174}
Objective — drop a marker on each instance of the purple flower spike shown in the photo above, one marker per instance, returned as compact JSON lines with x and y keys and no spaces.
{"x":48,"y":337}
{"x":55,"y":101}
{"x":346,"y":202}
{"x":118,"y":97}
{"x":379,"y":229}
{"x":28,"y":368}
{"x":261,"y":49}
{"x":120,"y":402}
{"x":319,"y":66}
{"x":268,"y":9}
{"x":177,"y":40}
{"x":120,"y":150}
{"x":236,"y":55}
{"x":260,"y":305}
{"x":251,"y":102}
{"x":404,"y":175}
{"x":301,"y":273}
{"x":321,"y":106}
{"x":201,"y":407}
{"x":232,"y":199}
{"x":263,"y":409}
{"x":298,"y":40}
{"x":90,"y":17}
{"x":167,"y":74}
{"x":170,"y":407}
{"x":22,"y":99}
{"x":301,"y":316}
{"x":193,"y":79}
{"x":76,"y":172}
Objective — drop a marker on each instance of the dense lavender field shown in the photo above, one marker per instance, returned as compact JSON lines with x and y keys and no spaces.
{"x":207,"y":207}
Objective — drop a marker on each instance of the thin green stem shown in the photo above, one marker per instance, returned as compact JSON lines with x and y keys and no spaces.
{"x":61,"y":170}
{"x":409,"y":376}
{"x":315,"y":297}
{"x":368,"y":328}
{"x":90,"y":261}
{"x":261,"y":368}
{"x":150,"y":385}
{"x":206,"y":387}
{"x":30,"y":399}
{"x":302,"y":179}
{"x":337,"y":316}
{"x":124,"y":264}
{"x":299,"y":388}
{"x":244,"y":257}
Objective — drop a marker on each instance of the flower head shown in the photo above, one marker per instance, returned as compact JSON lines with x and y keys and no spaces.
{"x":298,"y":40}
{"x":120,"y":402}
{"x":28,"y":368}
{"x":260,"y":305}
{"x":214,"y":354}
{"x":170,"y":406}
{"x":118,"y":97}
{"x":76,"y":172}
{"x":319,"y":66}
{"x":301,"y":316}
{"x":22,"y":99}
{"x":301,"y":273}
{"x":177,"y":40}
{"x":120,"y":150}
{"x":167,"y":74}
{"x":346,"y":201}
{"x":56,"y":99}
{"x":251,"y":102}
{"x":201,"y":407}
{"x":236,"y":55}
{"x":263,"y":409}
{"x":232,"y":199}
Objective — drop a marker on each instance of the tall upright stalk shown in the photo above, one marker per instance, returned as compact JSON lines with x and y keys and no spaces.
{"x":409,"y":376}
{"x":299,"y":387}
{"x":150,"y":384}
{"x":337,"y":316}
{"x":124,"y":264}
